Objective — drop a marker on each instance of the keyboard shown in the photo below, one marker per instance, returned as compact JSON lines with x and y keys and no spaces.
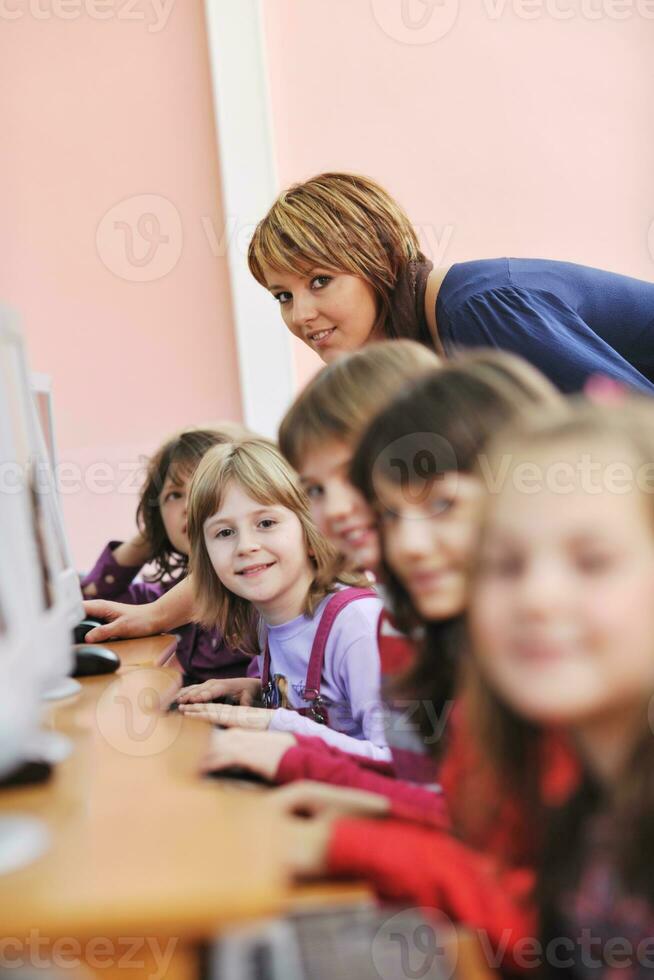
{"x":361,"y":942}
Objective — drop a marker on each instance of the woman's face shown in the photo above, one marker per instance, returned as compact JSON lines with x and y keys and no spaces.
{"x":562,"y":606}
{"x":338,"y":509}
{"x":428,"y":537}
{"x":331,"y":312}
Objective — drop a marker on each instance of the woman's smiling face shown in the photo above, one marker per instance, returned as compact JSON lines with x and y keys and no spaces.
{"x":332,"y":312}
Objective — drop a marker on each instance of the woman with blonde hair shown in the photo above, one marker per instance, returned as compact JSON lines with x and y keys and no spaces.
{"x":343,"y":260}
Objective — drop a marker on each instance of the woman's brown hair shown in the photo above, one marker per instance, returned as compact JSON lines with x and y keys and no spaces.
{"x":338,"y":221}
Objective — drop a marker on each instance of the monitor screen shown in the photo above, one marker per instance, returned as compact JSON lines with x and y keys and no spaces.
{"x":50,"y":553}
{"x":42,"y":394}
{"x":38,"y":611}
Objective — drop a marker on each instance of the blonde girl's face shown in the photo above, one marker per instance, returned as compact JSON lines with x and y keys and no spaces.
{"x":332,"y":312}
{"x":428,"y":538}
{"x":562,"y":606}
{"x":338,"y":509}
{"x":259,"y":552}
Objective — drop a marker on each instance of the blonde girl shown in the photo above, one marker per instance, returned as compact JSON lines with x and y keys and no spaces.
{"x":261,"y":569}
{"x":162,"y":543}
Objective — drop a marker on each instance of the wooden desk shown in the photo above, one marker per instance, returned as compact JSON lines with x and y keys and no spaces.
{"x":140,"y":845}
{"x":146,"y":858}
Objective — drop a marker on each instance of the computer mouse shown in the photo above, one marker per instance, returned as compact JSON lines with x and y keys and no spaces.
{"x":227,"y":699}
{"x":91,"y":660}
{"x":28,"y":773}
{"x":238,"y":773}
{"x":87,"y":624}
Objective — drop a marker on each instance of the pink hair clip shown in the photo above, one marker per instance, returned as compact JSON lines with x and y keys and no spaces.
{"x":604,"y":390}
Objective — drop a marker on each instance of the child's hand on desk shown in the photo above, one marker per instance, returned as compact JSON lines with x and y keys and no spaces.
{"x":311,"y":799}
{"x":245,"y":690}
{"x":123,"y":621}
{"x":307,"y":843}
{"x":260,"y":752}
{"x":231,"y":716}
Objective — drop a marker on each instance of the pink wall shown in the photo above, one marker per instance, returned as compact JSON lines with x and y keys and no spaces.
{"x":512,"y":130}
{"x":102,"y":111}
{"x":505,"y":135}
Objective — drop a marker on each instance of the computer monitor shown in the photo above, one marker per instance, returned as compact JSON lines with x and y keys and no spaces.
{"x":22,"y":838}
{"x":35,"y":536}
{"x":34,"y":638}
{"x":19,"y":675}
{"x":41,"y":385}
{"x":66,"y":581}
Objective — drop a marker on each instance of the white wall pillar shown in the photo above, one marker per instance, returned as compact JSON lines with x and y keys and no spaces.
{"x":245,"y":145}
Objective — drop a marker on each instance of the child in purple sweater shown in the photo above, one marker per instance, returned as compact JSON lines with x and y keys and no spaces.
{"x":265,"y":574}
{"x":162,"y":541}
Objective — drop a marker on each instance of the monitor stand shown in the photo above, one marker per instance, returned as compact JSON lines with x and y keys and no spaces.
{"x":66,"y":687}
{"x":51,"y":747}
{"x":22,"y":840}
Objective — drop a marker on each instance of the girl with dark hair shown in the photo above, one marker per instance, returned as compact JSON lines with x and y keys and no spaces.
{"x":343,"y":261}
{"x":162,"y":542}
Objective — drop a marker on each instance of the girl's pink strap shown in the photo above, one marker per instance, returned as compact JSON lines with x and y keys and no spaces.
{"x":338,"y":601}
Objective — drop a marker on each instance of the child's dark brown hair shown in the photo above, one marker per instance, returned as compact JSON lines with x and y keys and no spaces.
{"x":462,"y":405}
{"x":176,"y":459}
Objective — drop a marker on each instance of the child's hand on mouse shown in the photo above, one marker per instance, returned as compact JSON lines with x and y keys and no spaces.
{"x":245,"y":690}
{"x":123,"y":621}
{"x":260,"y":752}
{"x":231,"y":716}
{"x":311,"y":799}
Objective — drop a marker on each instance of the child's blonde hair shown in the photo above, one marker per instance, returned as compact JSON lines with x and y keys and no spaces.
{"x":340,"y":401}
{"x":258,"y":467}
{"x":338,"y":221}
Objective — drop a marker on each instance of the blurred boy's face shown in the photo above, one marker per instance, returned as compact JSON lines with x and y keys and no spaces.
{"x":428,"y":535}
{"x":173,"y":501}
{"x":562,"y":608}
{"x":332,"y":312}
{"x":338,"y":509}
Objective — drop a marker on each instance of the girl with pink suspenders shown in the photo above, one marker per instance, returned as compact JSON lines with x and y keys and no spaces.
{"x":262,"y":570}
